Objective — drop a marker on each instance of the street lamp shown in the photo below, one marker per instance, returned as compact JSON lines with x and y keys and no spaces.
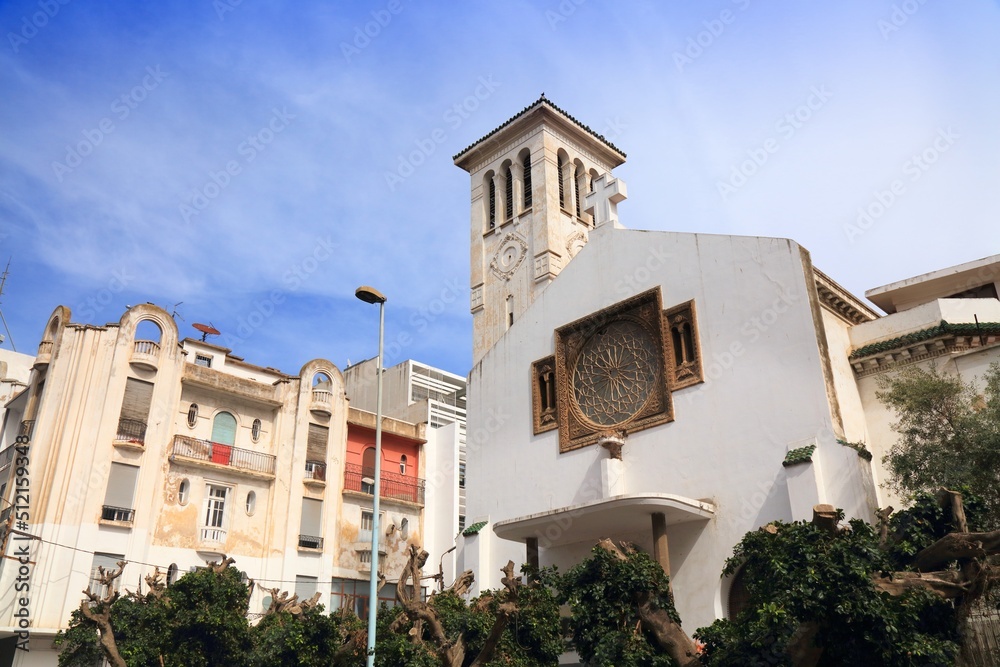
{"x":372,"y":295}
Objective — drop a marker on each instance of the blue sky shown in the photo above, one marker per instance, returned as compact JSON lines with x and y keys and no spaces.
{"x":257,"y":161}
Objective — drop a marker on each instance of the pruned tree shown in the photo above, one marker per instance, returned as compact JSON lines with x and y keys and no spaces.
{"x":97,"y":609}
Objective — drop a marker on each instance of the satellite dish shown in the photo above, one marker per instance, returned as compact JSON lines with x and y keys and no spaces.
{"x":206,"y":330}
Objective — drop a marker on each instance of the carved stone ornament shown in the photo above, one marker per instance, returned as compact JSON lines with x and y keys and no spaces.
{"x":512,"y":251}
{"x":681,"y":326}
{"x":613,"y":371}
{"x":575,"y":243}
{"x":543,"y":395}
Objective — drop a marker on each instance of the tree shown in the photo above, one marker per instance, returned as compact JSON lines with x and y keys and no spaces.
{"x":949,"y":434}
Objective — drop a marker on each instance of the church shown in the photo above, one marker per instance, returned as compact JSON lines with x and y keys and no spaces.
{"x":675,"y":390}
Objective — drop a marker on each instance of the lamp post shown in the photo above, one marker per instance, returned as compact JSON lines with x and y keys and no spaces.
{"x":372,"y":295}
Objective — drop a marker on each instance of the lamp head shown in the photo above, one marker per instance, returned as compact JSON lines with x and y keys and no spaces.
{"x":369,"y":294}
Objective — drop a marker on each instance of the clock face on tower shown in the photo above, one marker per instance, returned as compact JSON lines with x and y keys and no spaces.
{"x":509,"y":256}
{"x":616,"y":373}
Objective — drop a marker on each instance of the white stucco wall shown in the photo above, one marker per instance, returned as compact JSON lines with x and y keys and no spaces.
{"x":764,"y":393}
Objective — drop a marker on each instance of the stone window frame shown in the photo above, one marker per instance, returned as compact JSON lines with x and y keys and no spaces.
{"x":544,"y":419}
{"x":575,"y":431}
{"x":691,"y":372}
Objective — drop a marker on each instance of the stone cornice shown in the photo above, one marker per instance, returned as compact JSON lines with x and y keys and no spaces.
{"x":945,"y":338}
{"x":839,"y":301}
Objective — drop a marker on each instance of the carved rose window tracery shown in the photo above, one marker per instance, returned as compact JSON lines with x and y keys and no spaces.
{"x":616,"y":372}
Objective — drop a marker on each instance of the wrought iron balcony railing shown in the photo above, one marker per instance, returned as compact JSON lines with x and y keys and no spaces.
{"x":394,"y":485}
{"x":213,"y":452}
{"x":310,"y":542}
{"x":131,"y":430}
{"x":122,"y":514}
{"x":316,"y":470}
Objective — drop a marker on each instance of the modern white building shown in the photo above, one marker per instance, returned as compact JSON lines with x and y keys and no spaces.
{"x":675,"y":390}
{"x":170,"y":453}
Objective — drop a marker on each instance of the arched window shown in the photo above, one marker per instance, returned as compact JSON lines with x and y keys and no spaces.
{"x":402,"y":464}
{"x":491,"y":205}
{"x":255,"y":430}
{"x":171,"y":573}
{"x":224,"y":429}
{"x":739,"y":596}
{"x":577,"y":177}
{"x":192,"y":414}
{"x":368,"y":462}
{"x":404,"y":529}
{"x":508,"y":195}
{"x":183,"y":492}
{"x":148,"y":330}
{"x":251,"y":503}
{"x":527,"y":180}
{"x":562,"y":188}
{"x":322,"y":382}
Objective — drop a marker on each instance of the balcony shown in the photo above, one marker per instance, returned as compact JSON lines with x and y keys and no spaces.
{"x":394,"y":486}
{"x":44,"y":355}
{"x":310,"y":542}
{"x":6,"y":457}
{"x":315,"y":474}
{"x":118,"y":515}
{"x":322,"y":402}
{"x":213,"y":535}
{"x":27,"y":428}
{"x":131,"y":434}
{"x":215,"y":455}
{"x":145,"y":354}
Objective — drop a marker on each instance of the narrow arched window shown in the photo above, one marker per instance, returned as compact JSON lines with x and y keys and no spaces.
{"x":183,"y":491}
{"x":251,"y":503}
{"x":576,"y":190}
{"x":171,"y":573}
{"x":562,"y":188}
{"x":255,"y":430}
{"x":739,"y":596}
{"x":368,"y":462}
{"x":148,"y":330}
{"x":493,"y":204}
{"x":192,"y":414}
{"x":509,"y":195}
{"x":527,"y":180}
{"x":402,"y":464}
{"x":675,"y":335}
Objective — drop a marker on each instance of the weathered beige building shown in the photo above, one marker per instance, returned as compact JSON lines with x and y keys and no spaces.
{"x":170,"y":453}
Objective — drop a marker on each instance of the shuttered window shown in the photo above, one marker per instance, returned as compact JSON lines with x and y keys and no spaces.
{"x":138,"y":398}
{"x":305,"y":587}
{"x":316,"y":445}
{"x":312,"y":512}
{"x":527,"y":180}
{"x":121,"y":486}
{"x":224,"y":429}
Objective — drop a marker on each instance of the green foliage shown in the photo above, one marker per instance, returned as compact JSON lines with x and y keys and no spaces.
{"x":79,"y":643}
{"x":800,"y":575}
{"x":949,"y":434}
{"x":309,"y":640}
{"x":601,"y":592}
{"x":926,"y":521}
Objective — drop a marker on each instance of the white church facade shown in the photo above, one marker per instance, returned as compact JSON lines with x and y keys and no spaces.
{"x":675,"y":390}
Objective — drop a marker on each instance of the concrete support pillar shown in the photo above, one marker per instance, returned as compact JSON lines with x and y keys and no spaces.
{"x":532,"y":547}
{"x":660,"y":552}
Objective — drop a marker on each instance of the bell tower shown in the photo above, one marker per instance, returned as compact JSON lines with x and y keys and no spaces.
{"x":530,"y":214}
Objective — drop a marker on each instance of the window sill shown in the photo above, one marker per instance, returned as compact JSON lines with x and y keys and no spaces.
{"x":130,"y":445}
{"x":115,"y":524}
{"x":314,"y":483}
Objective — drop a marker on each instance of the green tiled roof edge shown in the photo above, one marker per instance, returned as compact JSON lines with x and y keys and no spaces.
{"x":964,"y":328}
{"x":799,"y":455}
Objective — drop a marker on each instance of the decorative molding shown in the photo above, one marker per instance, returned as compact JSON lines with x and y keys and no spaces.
{"x":840,"y":302}
{"x":921,"y":345}
{"x":685,"y":350}
{"x":509,"y":255}
{"x":544,"y":406}
{"x":547,"y":265}
{"x":575,"y":243}
{"x":476,"y":299}
{"x":613,"y":371}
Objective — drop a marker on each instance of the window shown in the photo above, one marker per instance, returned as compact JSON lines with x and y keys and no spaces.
{"x":493,"y":203}
{"x":192,"y":415}
{"x":576,"y":188}
{"x":120,"y":493}
{"x":148,"y":330}
{"x":509,"y":195}
{"x":305,"y":587}
{"x":562,"y":187}
{"x":316,"y":443}
{"x":135,"y":411}
{"x":215,"y":513}
{"x":251,"y":503}
{"x":203,"y":360}
{"x":224,"y":429}
{"x":255,"y":430}
{"x":402,"y":464}
{"x":183,"y":491}
{"x":461,"y":522}
{"x":404,"y":529}
{"x":510,"y":310}
{"x":527,"y":180}
{"x":310,"y":525}
{"x":353,"y":594}
{"x":461,"y":475}
{"x":171,"y":573}
{"x":110,"y":563}
{"x":367,"y":525}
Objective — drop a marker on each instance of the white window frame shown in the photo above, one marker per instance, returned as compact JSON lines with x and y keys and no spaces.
{"x":216,"y":515}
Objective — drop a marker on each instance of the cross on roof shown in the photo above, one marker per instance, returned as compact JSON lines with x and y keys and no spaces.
{"x":602,"y":203}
